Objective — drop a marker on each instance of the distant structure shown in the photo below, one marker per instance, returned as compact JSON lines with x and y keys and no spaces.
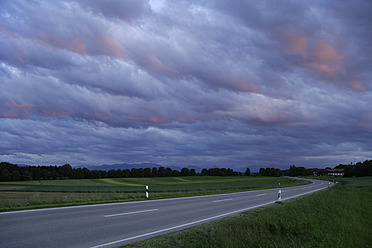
{"x":335,"y":172}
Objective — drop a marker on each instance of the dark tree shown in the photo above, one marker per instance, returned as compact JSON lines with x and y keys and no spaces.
{"x":26,"y":175}
{"x":96,"y":174}
{"x":45,"y":174}
{"x":126,"y":172}
{"x":292,"y":171}
{"x":78,"y":173}
{"x":155,"y":172}
{"x":112,"y":173}
{"x":168,"y":172}
{"x":162,"y":172}
{"x":175,"y":173}
{"x":185,"y":172}
{"x":66,"y":170}
{"x":205,"y":172}
{"x":141,"y":172}
{"x":349,"y":170}
{"x":147,"y":172}
{"x":5,"y":175}
{"x":133,"y":172}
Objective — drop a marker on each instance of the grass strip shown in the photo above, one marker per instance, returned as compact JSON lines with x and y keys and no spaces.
{"x":55,"y":193}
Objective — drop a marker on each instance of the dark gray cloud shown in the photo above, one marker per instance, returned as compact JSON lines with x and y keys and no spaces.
{"x":125,"y":10}
{"x":207,"y":83}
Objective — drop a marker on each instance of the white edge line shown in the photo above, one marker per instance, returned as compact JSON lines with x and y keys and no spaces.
{"x":136,"y":212}
{"x":181,"y":226}
{"x":294,"y":196}
{"x":223,"y":200}
{"x":199,"y":221}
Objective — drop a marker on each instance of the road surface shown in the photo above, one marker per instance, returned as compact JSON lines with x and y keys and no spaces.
{"x":117,"y":224}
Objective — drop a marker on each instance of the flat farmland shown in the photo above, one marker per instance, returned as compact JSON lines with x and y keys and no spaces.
{"x":52,"y":193}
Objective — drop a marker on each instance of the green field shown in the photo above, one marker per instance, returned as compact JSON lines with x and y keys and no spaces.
{"x":50,"y":193}
{"x":337,"y":217}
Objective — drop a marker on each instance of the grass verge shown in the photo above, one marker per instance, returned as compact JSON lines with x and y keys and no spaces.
{"x":53,"y":193}
{"x":338,"y":217}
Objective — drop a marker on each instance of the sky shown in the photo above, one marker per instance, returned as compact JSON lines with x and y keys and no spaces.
{"x":186,"y":83}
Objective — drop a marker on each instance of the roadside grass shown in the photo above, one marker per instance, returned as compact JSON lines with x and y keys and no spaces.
{"x":52,"y":193}
{"x":337,"y":217}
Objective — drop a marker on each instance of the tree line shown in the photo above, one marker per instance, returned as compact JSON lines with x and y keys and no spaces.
{"x":358,"y":170}
{"x":13,"y":172}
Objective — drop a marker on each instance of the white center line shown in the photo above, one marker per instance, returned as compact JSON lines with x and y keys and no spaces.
{"x":136,"y":212}
{"x":260,"y":194}
{"x":223,"y":200}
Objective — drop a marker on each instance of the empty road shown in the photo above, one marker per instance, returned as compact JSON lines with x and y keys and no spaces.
{"x":117,"y":224}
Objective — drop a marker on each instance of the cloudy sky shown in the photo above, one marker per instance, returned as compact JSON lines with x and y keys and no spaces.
{"x":200,"y":83}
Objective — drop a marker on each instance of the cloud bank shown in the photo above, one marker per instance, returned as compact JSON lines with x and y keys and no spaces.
{"x":203,"y":83}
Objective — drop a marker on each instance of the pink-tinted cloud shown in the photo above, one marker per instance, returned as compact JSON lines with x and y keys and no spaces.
{"x":246,"y":87}
{"x":365,"y":122}
{"x":15,"y":110}
{"x":158,"y":119}
{"x":152,"y":119}
{"x":82,"y":44}
{"x":295,"y":43}
{"x":186,"y":120}
{"x":51,"y":113}
{"x":51,"y":40}
{"x":356,"y":86}
{"x":112,"y":47}
{"x":325,"y":53}
{"x":156,"y":66}
{"x":317,"y":56}
{"x":77,"y":47}
{"x":21,"y":55}
{"x":101,"y":116}
{"x":227,"y":80}
{"x":326,"y":59}
{"x":329,"y":70}
{"x":9,"y":34}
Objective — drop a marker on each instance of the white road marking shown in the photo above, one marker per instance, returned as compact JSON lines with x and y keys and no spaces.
{"x":294,"y":196}
{"x":198,"y":221}
{"x":183,"y":225}
{"x":223,"y":200}
{"x":122,"y":203}
{"x":260,"y":194}
{"x":136,"y":212}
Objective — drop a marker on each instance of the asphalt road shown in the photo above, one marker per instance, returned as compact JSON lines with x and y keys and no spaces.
{"x":113,"y":225}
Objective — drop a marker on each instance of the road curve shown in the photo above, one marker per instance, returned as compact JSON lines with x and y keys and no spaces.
{"x":117,"y":224}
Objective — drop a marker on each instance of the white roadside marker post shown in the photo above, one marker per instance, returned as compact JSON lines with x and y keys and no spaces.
{"x":147,"y":191}
{"x":279,"y":195}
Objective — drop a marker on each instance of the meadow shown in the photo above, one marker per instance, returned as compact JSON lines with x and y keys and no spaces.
{"x":52,"y":193}
{"x":340,"y":216}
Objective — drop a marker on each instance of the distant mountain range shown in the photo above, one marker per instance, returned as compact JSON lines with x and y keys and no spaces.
{"x":123,"y":166}
{"x":107,"y":167}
